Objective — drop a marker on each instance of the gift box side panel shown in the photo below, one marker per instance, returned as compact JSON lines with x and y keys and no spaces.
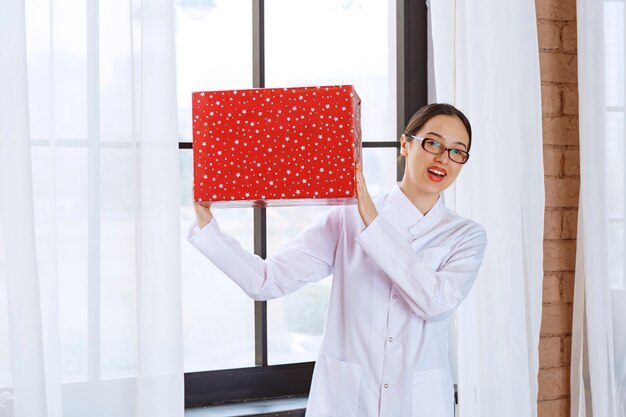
{"x":250,"y":144}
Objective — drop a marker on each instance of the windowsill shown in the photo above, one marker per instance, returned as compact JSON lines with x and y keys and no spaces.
{"x":292,"y":407}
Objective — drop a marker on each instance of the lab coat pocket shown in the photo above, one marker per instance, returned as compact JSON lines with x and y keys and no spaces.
{"x":433,"y":393}
{"x":432,"y":257}
{"x":335,"y":387}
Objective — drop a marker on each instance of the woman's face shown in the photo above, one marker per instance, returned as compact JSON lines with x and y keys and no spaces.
{"x":427,"y":175}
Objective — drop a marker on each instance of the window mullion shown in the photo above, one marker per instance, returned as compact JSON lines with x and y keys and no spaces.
{"x":260,"y":219}
{"x":260,"y":307}
{"x":412,"y":67}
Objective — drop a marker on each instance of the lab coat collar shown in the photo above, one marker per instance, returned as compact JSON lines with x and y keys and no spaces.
{"x":405,"y":217}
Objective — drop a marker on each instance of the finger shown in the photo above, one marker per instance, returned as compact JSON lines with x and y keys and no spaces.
{"x":362,"y":188}
{"x":357,"y":178}
{"x":363,"y":185}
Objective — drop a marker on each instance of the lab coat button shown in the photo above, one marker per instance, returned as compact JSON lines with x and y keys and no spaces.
{"x":394,"y":296}
{"x":390,"y":339}
{"x":386,"y":385}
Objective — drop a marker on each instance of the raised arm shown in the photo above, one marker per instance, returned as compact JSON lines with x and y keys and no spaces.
{"x":432,"y":295}
{"x":306,"y":258}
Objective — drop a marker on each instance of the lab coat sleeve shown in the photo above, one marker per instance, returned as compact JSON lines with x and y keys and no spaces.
{"x":308,"y":257}
{"x":432,"y":295}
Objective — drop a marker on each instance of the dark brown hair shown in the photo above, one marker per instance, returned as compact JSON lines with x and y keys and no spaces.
{"x":423,"y":115}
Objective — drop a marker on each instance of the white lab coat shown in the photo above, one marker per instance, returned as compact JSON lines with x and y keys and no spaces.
{"x":396,"y":283}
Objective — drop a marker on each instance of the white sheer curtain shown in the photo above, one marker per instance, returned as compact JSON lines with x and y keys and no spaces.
{"x":486,"y":62}
{"x":598,"y":373}
{"x":90,"y":310}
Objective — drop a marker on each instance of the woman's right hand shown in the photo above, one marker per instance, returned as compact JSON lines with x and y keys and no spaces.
{"x":203,"y":215}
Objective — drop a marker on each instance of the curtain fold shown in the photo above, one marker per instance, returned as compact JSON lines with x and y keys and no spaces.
{"x":161,"y":388}
{"x":486,"y":62}
{"x":90,"y":296}
{"x":594,"y":387}
{"x":18,"y":264}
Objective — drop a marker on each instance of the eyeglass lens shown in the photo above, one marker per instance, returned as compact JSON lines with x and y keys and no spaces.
{"x":435,"y":147}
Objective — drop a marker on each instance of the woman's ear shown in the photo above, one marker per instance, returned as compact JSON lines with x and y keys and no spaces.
{"x":403,"y":145}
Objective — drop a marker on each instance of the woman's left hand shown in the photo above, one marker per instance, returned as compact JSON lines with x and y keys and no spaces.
{"x":367,"y":209}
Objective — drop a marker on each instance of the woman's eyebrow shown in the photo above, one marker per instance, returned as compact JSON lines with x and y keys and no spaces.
{"x":461,"y":143}
{"x":439,"y":136}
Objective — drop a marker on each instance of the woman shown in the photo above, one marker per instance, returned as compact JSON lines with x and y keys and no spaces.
{"x":402,"y":263}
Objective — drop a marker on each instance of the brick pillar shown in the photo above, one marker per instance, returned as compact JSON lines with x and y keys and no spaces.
{"x":556,"y":21}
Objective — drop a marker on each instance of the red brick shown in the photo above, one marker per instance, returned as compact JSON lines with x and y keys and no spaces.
{"x":552,"y":162}
{"x":571,"y":163}
{"x":569,"y":224}
{"x":553,"y":383}
{"x":568,"y":37}
{"x":566,"y":348}
{"x":553,"y":408}
{"x":550,"y":352}
{"x":562,"y":192}
{"x":552,"y":224}
{"x":551,"y":288}
{"x":549,"y":33}
{"x":560,"y":130}
{"x":556,"y":320}
{"x":569,"y":97}
{"x":567,"y":287}
{"x":551,"y":99}
{"x":559,"y":255}
{"x":558,"y":67}
{"x":556,"y":9}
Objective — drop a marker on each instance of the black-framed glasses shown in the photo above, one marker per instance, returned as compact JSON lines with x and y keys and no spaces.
{"x":432,"y":146}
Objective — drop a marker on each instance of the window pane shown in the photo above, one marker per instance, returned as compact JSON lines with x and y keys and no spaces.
{"x":61,"y":226}
{"x":118,"y":282}
{"x":331,"y":42}
{"x":213,"y":50}
{"x":379,"y":168}
{"x":296,"y":321}
{"x":218,"y":317}
{"x":115,"y":59}
{"x":57,"y":68}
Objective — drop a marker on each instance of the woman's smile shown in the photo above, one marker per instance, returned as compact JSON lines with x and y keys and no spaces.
{"x":436,"y":174}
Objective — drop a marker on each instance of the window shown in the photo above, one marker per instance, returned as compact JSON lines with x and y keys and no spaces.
{"x":266,"y":349}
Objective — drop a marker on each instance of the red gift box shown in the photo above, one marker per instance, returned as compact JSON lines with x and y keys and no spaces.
{"x":276,"y":146}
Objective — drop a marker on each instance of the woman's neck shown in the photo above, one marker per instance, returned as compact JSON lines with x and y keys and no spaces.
{"x":423,"y":202}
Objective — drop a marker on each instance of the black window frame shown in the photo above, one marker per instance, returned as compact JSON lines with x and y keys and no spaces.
{"x":265,"y":381}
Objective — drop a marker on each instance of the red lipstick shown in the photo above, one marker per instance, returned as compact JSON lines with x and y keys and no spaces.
{"x":436,"y":173}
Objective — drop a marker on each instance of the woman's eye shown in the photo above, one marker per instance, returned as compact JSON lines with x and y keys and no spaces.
{"x":434,"y":143}
{"x":456,"y":151}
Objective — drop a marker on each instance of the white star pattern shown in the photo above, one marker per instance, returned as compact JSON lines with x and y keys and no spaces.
{"x":269,"y":118}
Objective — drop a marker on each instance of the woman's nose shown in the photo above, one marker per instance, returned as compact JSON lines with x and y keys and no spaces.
{"x":443,"y":157}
